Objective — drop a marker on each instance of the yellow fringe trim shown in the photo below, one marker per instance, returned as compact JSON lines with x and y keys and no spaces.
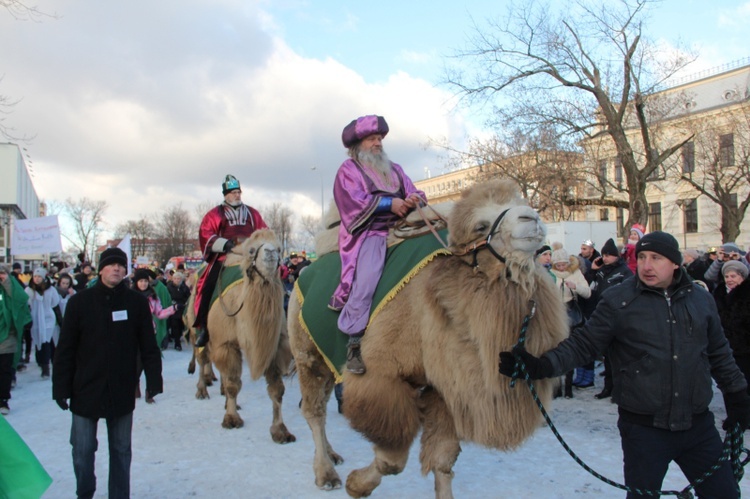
{"x":387,"y":298}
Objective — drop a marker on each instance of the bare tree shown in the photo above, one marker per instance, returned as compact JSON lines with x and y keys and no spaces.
{"x":279,"y":218}
{"x":309,"y":227}
{"x":175,"y":229}
{"x":587,"y":71}
{"x":140,"y":231}
{"x":716,"y":163}
{"x":87,"y":218}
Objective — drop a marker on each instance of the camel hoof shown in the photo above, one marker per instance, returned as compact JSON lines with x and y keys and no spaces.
{"x":331,"y":483}
{"x":202,"y":394}
{"x":337,"y":459}
{"x":191,"y":369}
{"x":231,"y":422}
{"x":208,"y":381}
{"x":281,"y":435}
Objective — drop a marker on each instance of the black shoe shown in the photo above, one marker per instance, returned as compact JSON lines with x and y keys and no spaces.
{"x":202,"y":340}
{"x":354,"y":363}
{"x":607,"y":392}
{"x":45,"y":371}
{"x":4,"y":408}
{"x":178,"y":347}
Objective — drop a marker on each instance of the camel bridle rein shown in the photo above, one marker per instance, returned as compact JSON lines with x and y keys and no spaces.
{"x":253,"y":269}
{"x":485,"y":243}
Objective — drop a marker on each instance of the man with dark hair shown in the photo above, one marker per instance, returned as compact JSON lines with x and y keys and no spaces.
{"x":106,"y":327}
{"x":371,"y":192}
{"x":221,"y":229}
{"x":663,"y":336}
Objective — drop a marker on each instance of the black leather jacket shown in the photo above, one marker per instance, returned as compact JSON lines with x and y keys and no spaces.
{"x":664,"y":345}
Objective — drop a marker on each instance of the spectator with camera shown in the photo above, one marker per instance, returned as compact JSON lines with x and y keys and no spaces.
{"x":725,"y":253}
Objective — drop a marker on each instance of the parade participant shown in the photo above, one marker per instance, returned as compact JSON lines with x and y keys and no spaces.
{"x":588,"y":254}
{"x":83,"y":277}
{"x":105,"y":328}
{"x":371,"y":193}
{"x":297,"y":262}
{"x":14,"y":315}
{"x":663,"y":336}
{"x":46,"y":317}
{"x":180,"y":294}
{"x":221,"y":229}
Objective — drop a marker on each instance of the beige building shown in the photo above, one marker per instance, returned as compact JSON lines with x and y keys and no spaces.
{"x":711,"y":111}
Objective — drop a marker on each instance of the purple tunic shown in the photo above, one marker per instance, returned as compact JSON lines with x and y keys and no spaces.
{"x":357,"y":190}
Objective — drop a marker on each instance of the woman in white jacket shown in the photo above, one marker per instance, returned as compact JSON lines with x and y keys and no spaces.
{"x":572,"y":284}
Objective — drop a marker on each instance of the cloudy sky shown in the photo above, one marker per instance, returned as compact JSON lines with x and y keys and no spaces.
{"x":145,"y":104}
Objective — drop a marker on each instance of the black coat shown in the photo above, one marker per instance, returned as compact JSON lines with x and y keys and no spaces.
{"x":95,"y":361}
{"x":180,"y":294}
{"x":734,"y":310}
{"x":659,"y":346}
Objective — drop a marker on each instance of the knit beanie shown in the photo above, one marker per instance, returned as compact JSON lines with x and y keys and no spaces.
{"x":731,"y":248}
{"x":559,"y":256}
{"x":111,"y":256}
{"x":735,"y":265}
{"x":660,"y":242}
{"x":639,"y":229}
{"x":543,"y":249}
{"x":142,"y":274}
{"x":40,"y":271}
{"x":610,"y":248}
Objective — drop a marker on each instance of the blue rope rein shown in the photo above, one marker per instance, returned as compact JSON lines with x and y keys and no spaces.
{"x":731,"y":451}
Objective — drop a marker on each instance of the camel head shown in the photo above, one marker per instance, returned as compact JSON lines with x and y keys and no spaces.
{"x":493,"y":215}
{"x":260,"y":255}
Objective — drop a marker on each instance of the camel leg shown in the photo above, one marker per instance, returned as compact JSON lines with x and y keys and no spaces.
{"x":228,"y":360}
{"x":440,"y":444}
{"x":275,"y":388}
{"x":204,"y":373}
{"x":361,"y":482}
{"x":316,"y":384}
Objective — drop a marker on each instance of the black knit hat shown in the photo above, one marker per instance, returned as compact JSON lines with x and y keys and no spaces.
{"x":111,"y":256}
{"x":610,"y":248}
{"x":660,"y":242}
{"x":143,"y":274}
{"x":543,"y":249}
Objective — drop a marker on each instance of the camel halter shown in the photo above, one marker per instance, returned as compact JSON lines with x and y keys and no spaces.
{"x":253,"y":269}
{"x":485,"y":243}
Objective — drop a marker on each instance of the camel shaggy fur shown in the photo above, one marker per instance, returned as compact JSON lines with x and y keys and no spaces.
{"x":249,"y":319}
{"x":432,"y":351}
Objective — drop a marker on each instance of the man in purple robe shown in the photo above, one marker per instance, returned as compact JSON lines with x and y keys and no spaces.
{"x":371,"y":193}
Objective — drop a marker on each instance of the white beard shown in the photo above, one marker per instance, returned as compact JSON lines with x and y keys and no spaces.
{"x":379,"y":161}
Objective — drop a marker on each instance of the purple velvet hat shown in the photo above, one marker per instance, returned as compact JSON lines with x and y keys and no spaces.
{"x":362,"y":127}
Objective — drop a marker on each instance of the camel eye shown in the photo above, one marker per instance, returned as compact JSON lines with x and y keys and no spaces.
{"x":481,"y":227}
{"x":251,"y":251}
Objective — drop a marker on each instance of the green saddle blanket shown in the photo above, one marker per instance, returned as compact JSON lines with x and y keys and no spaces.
{"x":317,"y":283}
{"x":230,"y":276}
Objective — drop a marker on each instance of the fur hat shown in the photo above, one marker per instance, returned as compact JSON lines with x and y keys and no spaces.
{"x":660,"y":242}
{"x":736,"y":266}
{"x":610,"y":248}
{"x":560,"y":255}
{"x":230,"y":183}
{"x":362,"y":127}
{"x":111,"y":256}
{"x":639,"y":229}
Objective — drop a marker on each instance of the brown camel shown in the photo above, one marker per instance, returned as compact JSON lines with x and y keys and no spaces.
{"x":249,"y":318}
{"x":432,"y":351}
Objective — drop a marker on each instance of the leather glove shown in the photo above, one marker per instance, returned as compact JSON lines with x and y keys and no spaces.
{"x":737,"y":405}
{"x":536,"y":368}
{"x":228,"y":246}
{"x":63,"y":403}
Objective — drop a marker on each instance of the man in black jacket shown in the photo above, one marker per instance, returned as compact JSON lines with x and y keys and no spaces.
{"x":663,"y":336}
{"x":104,"y":329}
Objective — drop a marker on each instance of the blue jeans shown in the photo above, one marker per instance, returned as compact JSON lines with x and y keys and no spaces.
{"x":647,"y":452}
{"x":84,"y":442}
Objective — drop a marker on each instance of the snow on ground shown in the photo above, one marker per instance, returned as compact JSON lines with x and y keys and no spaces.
{"x":180,"y":449}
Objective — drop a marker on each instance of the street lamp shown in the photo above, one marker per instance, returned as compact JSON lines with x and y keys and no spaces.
{"x":322,"y":206}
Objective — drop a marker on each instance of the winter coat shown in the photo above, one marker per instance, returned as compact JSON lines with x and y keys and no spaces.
{"x":664,"y":346}
{"x":179,"y":294}
{"x":14,"y":315}
{"x":606,"y":277}
{"x":103,"y":331}
{"x":572,"y":274}
{"x":44,"y":325}
{"x":734,"y":310}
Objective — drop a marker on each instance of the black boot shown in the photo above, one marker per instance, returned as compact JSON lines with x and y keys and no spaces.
{"x":338,"y":390}
{"x":354,"y":362}
{"x":45,"y":370}
{"x":202,"y":339}
{"x":178,"y":345}
{"x":607,"y":392}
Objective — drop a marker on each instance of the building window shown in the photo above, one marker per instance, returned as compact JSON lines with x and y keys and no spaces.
{"x":654,"y":216}
{"x":733,"y":200}
{"x":604,"y":214}
{"x":618,"y":171}
{"x":691,"y":215}
{"x":620,"y":221}
{"x":688,"y":157}
{"x":726,"y":150}
{"x":603,"y":172}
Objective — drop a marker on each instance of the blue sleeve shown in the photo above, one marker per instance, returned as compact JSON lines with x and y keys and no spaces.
{"x":384,"y":205}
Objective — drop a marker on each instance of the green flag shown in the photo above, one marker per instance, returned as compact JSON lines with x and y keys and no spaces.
{"x":21,"y":474}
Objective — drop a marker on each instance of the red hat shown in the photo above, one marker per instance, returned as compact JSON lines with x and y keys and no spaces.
{"x":362,"y":127}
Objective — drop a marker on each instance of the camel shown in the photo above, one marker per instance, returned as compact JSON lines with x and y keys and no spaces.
{"x":432,"y":350}
{"x":249,"y":318}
